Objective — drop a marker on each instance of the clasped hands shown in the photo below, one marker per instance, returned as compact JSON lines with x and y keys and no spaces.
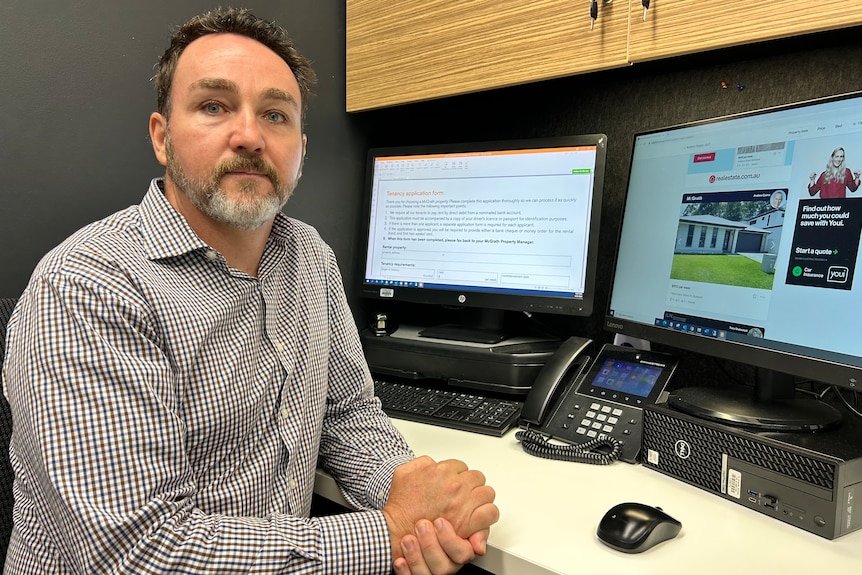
{"x":439,"y":515}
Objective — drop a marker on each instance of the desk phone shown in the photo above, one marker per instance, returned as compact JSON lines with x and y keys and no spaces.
{"x":597,"y":411}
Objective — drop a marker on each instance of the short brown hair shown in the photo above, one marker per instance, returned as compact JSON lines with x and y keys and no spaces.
{"x":231,"y":21}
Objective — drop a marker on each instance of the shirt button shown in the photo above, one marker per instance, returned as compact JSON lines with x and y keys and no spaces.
{"x":292,"y":484}
{"x":278,"y":346}
{"x":212,"y":254}
{"x":380,"y":495}
{"x":285,"y":413}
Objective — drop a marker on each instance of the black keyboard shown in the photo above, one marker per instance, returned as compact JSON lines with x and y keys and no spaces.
{"x":447,"y":408}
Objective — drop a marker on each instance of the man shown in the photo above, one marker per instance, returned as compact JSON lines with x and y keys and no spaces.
{"x":777,"y":199}
{"x":177,"y":370}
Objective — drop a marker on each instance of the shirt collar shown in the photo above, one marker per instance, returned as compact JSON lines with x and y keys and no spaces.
{"x":167,"y":234}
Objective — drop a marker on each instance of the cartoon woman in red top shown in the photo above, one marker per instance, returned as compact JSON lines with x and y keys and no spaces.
{"x":837,"y":178}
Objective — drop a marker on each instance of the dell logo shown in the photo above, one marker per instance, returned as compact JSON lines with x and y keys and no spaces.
{"x":682,"y":449}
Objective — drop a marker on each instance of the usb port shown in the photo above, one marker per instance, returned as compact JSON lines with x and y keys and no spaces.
{"x":753,"y":492}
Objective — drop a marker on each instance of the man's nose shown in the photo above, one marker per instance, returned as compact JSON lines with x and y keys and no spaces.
{"x":247,"y":136}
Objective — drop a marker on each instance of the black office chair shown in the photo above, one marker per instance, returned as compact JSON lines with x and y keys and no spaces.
{"x":6,"y":475}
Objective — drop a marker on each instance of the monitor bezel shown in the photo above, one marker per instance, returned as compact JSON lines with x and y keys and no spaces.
{"x":477,"y":299}
{"x":800,"y":362}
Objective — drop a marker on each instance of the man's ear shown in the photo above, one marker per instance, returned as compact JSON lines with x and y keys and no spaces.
{"x":302,"y":160}
{"x":158,"y":136}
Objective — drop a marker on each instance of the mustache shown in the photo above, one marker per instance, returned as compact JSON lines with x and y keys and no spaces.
{"x":247,"y":163}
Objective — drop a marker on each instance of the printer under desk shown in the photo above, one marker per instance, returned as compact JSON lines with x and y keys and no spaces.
{"x":508,"y":367}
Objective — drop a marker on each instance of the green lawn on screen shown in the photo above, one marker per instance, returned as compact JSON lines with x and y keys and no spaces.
{"x":722,"y":269}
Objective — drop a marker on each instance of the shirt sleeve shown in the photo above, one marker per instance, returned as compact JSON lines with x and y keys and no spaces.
{"x":360,"y":447}
{"x":816,"y":186}
{"x":101,"y":468}
{"x":850,"y":181}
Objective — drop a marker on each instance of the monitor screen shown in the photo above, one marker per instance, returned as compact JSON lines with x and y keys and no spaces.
{"x":509,"y":225}
{"x":740,"y":240}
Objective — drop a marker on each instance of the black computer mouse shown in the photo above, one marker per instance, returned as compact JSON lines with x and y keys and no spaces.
{"x":635,"y":527}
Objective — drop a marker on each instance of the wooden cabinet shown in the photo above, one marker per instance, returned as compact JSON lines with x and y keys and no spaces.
{"x":401,"y":51}
{"x":676,"y":27}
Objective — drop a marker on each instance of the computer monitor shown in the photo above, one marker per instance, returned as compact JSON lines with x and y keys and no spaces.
{"x":487,"y":226}
{"x":740,"y":240}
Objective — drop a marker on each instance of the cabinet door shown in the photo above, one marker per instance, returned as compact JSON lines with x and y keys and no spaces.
{"x":401,"y":51}
{"x":675,"y":27}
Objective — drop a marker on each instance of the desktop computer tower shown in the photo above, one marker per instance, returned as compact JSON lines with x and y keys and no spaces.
{"x":811,"y":480}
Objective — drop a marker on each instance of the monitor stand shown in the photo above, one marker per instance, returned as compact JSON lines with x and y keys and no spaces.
{"x":478,"y":326}
{"x":772,"y":405}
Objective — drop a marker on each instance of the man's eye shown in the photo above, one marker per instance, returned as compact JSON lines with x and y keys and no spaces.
{"x":275,"y":117}
{"x":212,"y":108}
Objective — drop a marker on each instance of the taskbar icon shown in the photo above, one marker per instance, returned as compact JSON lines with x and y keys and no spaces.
{"x":394,"y":283}
{"x":691,"y":328}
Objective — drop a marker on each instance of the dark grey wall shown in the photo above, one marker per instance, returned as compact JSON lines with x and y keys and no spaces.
{"x":75,"y":100}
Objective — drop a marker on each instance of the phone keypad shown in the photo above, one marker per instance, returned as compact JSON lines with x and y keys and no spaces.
{"x":579,"y":419}
{"x":598,"y":420}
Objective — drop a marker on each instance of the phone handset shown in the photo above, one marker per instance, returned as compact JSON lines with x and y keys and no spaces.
{"x":597,"y":413}
{"x":571,"y":356}
{"x":560,"y":375}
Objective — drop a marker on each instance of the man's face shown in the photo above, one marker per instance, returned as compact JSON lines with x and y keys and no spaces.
{"x":233,"y":144}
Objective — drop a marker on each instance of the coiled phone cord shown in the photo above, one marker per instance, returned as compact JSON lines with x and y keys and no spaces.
{"x":537,"y":444}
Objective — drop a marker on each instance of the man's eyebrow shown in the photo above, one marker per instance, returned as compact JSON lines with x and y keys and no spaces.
{"x":277,"y":94}
{"x":215,"y":84}
{"x":225,"y":85}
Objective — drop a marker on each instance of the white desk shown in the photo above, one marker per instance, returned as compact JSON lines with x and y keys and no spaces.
{"x":550,"y":510}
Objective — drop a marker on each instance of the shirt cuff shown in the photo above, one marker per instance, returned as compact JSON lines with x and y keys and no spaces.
{"x":357,"y":543}
{"x":377,"y":491}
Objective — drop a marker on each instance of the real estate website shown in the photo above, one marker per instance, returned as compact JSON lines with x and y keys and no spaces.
{"x":748,"y":228}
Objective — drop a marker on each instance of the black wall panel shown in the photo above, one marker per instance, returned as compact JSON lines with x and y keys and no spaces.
{"x":75,"y":100}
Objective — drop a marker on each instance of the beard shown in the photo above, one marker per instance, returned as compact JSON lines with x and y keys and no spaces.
{"x":248,"y":211}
